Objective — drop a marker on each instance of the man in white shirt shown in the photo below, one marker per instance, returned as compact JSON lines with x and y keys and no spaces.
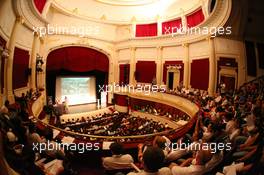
{"x":196,"y":168}
{"x":118,"y":160}
{"x":153,"y":159}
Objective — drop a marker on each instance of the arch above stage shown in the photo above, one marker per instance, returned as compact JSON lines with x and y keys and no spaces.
{"x":77,"y":59}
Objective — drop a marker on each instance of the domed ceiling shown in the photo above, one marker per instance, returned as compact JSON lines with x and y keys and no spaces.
{"x":127,"y":2}
{"x":127,"y":11}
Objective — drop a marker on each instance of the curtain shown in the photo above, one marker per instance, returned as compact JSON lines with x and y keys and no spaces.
{"x":261,"y":55}
{"x":124,"y":70}
{"x":77,"y":59}
{"x":143,"y":30}
{"x":200,"y":74}
{"x":251,"y":59}
{"x":145,"y":71}
{"x":170,"y":27}
{"x":20,"y":68}
{"x":195,"y":18}
{"x":120,"y":100}
{"x":40,"y":4}
{"x":3,"y":44}
{"x":172,"y":63}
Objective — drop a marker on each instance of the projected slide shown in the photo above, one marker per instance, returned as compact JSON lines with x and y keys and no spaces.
{"x":78,"y":90}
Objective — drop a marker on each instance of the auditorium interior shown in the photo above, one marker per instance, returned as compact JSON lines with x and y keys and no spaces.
{"x":131,"y":87}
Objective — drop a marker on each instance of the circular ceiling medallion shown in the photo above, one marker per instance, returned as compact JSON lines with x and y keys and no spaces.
{"x":127,"y":2}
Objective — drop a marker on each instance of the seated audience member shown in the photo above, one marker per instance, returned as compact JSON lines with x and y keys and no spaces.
{"x":118,"y":160}
{"x":197,"y":167}
{"x":4,"y":109}
{"x":20,"y":157}
{"x":53,"y":149}
{"x":207,"y":131}
{"x":249,"y":146}
{"x":33,"y":136}
{"x":153,"y":159}
{"x":163,"y":143}
{"x":234,"y":132}
{"x":180,"y":152}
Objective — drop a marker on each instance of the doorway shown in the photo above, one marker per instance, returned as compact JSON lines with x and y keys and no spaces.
{"x":229,"y":81}
{"x":171,"y":75}
{"x":173,"y":78}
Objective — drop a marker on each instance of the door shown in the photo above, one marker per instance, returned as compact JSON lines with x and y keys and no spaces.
{"x":170,"y":82}
{"x":230,"y":82}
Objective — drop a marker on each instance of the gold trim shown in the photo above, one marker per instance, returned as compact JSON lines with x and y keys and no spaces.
{"x":126,"y":2}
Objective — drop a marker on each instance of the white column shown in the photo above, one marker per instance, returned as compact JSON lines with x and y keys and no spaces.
{"x":159,"y":25}
{"x":9,"y":61}
{"x":159,"y":65}
{"x":46,"y":8}
{"x":41,"y":76}
{"x":35,"y":48}
{"x":111,"y":81}
{"x":132,"y":80}
{"x":186,"y":62}
{"x":2,"y":58}
{"x":212,"y":67}
{"x":183,"y":20}
{"x":133,"y":28}
{"x":116,"y":66}
{"x":205,"y":8}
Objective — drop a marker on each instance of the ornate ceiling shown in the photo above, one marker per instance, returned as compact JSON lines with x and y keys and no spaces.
{"x":127,"y":11}
{"x":127,"y":2}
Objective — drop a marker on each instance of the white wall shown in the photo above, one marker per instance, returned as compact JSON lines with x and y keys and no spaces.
{"x":7,"y":18}
{"x":24,"y":38}
{"x":199,"y":50}
{"x":123,"y":55}
{"x":174,"y":53}
{"x":232,"y":49}
{"x":146,"y":54}
{"x":106,"y":32}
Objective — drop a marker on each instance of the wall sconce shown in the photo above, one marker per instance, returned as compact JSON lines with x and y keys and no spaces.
{"x":177,"y":67}
{"x":39,"y":63}
{"x":4,"y":52}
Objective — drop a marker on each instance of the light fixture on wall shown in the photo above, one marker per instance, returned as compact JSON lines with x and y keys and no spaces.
{"x":4,"y":52}
{"x":39,"y":63}
{"x":178,"y":67}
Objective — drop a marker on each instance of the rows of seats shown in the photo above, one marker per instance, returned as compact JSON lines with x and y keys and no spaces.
{"x":227,"y":138}
{"x":232,"y":120}
{"x":84,"y":116}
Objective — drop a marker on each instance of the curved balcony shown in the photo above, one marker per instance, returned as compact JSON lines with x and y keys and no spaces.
{"x":130,"y":141}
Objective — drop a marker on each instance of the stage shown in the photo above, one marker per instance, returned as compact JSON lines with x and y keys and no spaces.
{"x":73,"y":109}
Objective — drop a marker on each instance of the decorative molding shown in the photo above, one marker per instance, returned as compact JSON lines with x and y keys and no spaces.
{"x":174,"y":68}
{"x":216,"y":19}
{"x":126,"y":2}
{"x":69,"y":12}
{"x":29,"y":13}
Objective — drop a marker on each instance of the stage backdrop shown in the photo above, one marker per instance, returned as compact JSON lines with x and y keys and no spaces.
{"x":76,"y":61}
